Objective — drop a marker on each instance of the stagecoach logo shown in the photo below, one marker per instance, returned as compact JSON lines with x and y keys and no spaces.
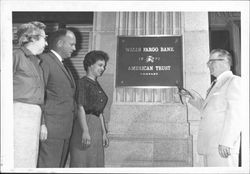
{"x":150,"y":59}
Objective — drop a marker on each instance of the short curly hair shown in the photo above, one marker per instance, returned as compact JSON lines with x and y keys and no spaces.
{"x":93,"y":56}
{"x":28,"y":31}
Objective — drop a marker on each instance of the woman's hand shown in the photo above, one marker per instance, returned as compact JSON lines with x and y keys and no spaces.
{"x":105,"y":140}
{"x":86,"y":140}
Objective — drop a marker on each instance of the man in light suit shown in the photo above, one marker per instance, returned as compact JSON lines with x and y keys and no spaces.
{"x":220,"y":126}
{"x":59,"y":107}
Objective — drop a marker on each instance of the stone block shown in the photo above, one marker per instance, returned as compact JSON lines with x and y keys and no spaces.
{"x":199,"y":82}
{"x":196,"y":21}
{"x":170,"y":164}
{"x":195,"y":61}
{"x":172,"y":150}
{"x":148,"y":152}
{"x":122,"y":151}
{"x":149,"y":120}
{"x":151,"y":130}
{"x":148,"y":113}
{"x":106,"y":41}
{"x":106,"y":21}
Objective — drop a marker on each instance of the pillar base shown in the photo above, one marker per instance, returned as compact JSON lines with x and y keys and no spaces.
{"x":149,"y":136}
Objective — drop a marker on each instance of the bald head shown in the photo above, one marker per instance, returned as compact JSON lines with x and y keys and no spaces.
{"x":63,"y":42}
{"x":222,"y":54}
{"x":219,"y":61}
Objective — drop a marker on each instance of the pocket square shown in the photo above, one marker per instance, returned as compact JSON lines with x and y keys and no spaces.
{"x":216,"y":93}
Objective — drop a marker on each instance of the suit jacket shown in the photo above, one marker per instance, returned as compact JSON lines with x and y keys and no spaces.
{"x":59,"y":108}
{"x":220,"y":116}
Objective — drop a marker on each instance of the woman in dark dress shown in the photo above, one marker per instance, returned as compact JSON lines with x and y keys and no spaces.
{"x":89,"y":135}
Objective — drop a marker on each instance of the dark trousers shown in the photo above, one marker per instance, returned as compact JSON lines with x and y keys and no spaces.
{"x":53,"y":153}
{"x":240,"y":162}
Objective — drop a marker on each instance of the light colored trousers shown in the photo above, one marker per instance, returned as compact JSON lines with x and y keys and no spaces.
{"x":27,"y":119}
{"x":215,"y":160}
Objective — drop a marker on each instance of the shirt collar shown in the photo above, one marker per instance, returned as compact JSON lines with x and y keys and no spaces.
{"x":91,"y":80}
{"x":225,"y":73}
{"x":57,"y":55}
{"x":29,"y":54}
{"x":26,"y":51}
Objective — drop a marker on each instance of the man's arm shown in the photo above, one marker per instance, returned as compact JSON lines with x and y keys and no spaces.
{"x":43,"y":129}
{"x":193,"y":98}
{"x":197,"y":101}
{"x":233,"y":117}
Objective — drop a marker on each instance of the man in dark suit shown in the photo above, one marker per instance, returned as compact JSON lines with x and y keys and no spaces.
{"x":59,"y":107}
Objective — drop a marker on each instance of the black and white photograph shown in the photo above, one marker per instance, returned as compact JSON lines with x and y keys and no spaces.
{"x":124,"y":86}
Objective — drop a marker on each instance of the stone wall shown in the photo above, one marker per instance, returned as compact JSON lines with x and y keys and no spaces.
{"x":153,"y":133}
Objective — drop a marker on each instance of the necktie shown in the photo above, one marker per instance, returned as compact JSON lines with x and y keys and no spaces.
{"x":212,"y":85}
{"x":69,"y":74}
{"x":65,"y":66}
{"x":67,"y":69}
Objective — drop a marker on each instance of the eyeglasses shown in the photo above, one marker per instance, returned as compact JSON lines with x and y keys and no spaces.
{"x":213,"y":60}
{"x":45,"y":37}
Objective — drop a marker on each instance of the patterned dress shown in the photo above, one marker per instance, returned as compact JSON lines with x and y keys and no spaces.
{"x":93,"y":99}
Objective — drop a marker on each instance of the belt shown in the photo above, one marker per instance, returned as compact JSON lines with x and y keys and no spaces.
{"x":96,"y":113}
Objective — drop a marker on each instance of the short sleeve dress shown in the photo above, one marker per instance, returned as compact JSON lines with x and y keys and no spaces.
{"x":93,"y":99}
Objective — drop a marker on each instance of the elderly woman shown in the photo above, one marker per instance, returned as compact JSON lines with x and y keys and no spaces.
{"x":89,"y":135}
{"x":28,"y":93}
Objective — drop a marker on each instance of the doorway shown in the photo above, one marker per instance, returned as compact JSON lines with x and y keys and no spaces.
{"x":225,"y":33}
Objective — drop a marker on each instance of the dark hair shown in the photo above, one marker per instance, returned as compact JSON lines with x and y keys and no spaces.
{"x":93,"y":56}
{"x":223,"y":54}
{"x":55,"y":36}
{"x":28,"y":31}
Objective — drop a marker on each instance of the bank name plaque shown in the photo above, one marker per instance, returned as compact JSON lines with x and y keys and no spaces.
{"x":149,"y":61}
